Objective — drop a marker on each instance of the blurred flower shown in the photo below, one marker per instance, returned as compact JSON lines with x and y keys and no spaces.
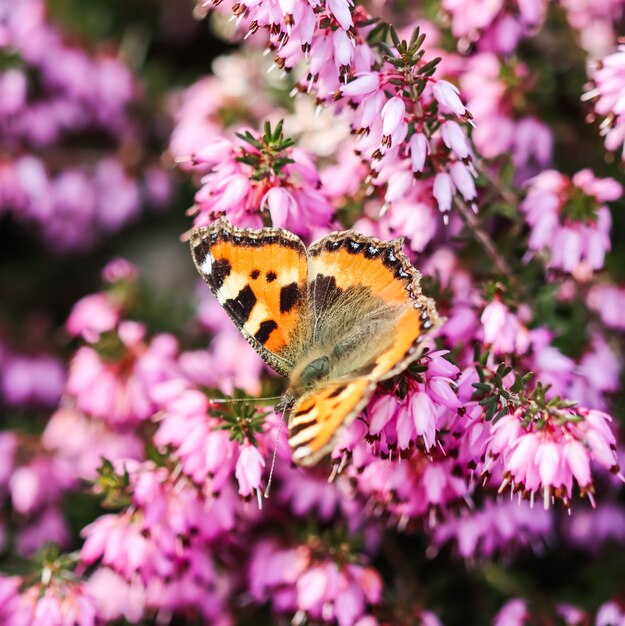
{"x":312,"y":585}
{"x":497,"y":526}
{"x":569,"y":220}
{"x":116,"y":386}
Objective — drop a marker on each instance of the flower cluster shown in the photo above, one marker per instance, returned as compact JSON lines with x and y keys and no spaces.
{"x":261,"y":175}
{"x":303,"y":580}
{"x":569,"y":219}
{"x":53,"y":91}
{"x":496,"y":26}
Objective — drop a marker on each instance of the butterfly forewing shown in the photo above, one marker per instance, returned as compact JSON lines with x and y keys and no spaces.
{"x":259,"y":277}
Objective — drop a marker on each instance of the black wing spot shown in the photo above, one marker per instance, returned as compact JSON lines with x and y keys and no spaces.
{"x":290,"y":297}
{"x":201,"y":251}
{"x":220,"y":271}
{"x":241,"y":306}
{"x":353,"y":247}
{"x":332,"y":245}
{"x":264,"y":331}
{"x":254,"y":274}
{"x":389,"y":258}
{"x":371,"y":251}
{"x":271,"y":276}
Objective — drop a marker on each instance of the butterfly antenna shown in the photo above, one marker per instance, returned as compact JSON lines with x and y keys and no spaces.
{"x":275,"y":454}
{"x":233,"y":400}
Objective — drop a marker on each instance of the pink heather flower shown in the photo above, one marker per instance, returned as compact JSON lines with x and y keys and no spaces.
{"x":393,"y":115}
{"x":145,"y":539}
{"x":294,"y":580}
{"x":512,"y":613}
{"x":455,"y":139}
{"x":498,"y":130}
{"x":341,"y":66}
{"x":305,"y":493}
{"x":568,"y":220}
{"x":118,"y":390}
{"x":114,"y":597}
{"x":499,"y":525}
{"x":118,"y":269}
{"x":37,"y":484}
{"x":81,"y":454}
{"x":409,"y":489}
{"x":607,"y":96}
{"x":608,"y":301}
{"x":60,"y":603}
{"x":164,"y":537}
{"x":443,"y":191}
{"x":591,"y":529}
{"x":610,"y":614}
{"x":395,"y":423}
{"x":249,"y":470}
{"x":208,"y":454}
{"x":495,"y":26}
{"x":419,"y":149}
{"x":463,"y":180}
{"x":363,"y":85}
{"x":31,"y":380}
{"x":93,"y":315}
{"x":448,"y":96}
{"x":48,"y":526}
{"x":596,"y":24}
{"x":281,"y":205}
{"x":291,"y":194}
{"x":502,"y":330}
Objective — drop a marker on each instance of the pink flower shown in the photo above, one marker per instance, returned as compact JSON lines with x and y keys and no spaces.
{"x":363,"y":85}
{"x":447,"y":96}
{"x":512,"y":613}
{"x":58,"y":604}
{"x":119,"y":390}
{"x":419,"y":149}
{"x":609,"y":302}
{"x":502,"y":330}
{"x":32,"y":380}
{"x":392,"y":115}
{"x":249,"y":469}
{"x":443,"y":191}
{"x":606,"y":94}
{"x":497,"y":526}
{"x":93,"y":315}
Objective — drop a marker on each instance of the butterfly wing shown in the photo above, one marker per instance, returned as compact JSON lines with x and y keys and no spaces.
{"x":366,"y":301}
{"x":259,"y":277}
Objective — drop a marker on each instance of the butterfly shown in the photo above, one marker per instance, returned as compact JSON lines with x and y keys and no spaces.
{"x":336,"y":318}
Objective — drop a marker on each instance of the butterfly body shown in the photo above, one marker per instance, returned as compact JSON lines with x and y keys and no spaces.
{"x":335,"y":319}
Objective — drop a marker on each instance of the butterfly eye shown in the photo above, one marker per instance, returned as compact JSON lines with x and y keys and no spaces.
{"x":314,"y":371}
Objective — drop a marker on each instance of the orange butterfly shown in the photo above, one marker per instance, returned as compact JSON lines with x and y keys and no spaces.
{"x":336,"y":319}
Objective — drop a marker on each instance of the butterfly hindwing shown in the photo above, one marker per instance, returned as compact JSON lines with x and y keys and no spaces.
{"x":319,"y":415}
{"x":259,"y":277}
